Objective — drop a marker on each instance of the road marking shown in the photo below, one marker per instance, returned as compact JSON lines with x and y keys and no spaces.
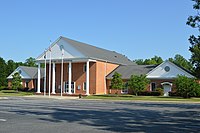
{"x":3,"y":120}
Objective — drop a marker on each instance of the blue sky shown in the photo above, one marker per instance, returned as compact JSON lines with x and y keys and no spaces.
{"x":139,"y":29}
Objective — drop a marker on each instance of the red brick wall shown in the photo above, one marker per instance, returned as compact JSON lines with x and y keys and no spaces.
{"x":98,"y":71}
{"x":102,"y":70}
{"x":159,"y":81}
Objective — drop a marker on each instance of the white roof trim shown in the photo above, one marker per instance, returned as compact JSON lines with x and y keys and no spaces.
{"x":167,"y":61}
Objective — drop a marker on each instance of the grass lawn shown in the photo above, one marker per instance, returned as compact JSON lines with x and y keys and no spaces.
{"x":142,"y":98}
{"x":14,"y":93}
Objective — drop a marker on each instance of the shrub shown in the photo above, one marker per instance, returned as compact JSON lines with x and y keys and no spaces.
{"x":160,"y":90}
{"x":187,"y":87}
{"x":2,"y":88}
{"x":149,"y":93}
{"x":137,"y":83}
{"x":173,"y":93}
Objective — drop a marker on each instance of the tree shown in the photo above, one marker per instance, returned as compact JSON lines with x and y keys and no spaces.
{"x":16,"y":81}
{"x":11,"y":66}
{"x":194,"y":22}
{"x":156,"y":60}
{"x":181,"y":61}
{"x":31,"y":62}
{"x":3,"y":74}
{"x":138,"y":83}
{"x":116,"y":82}
{"x":139,"y":61}
{"x":187,"y":87}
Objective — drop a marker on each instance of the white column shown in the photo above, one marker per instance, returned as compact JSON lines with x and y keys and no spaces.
{"x":87,"y":78}
{"x":45,"y":75}
{"x":53,"y":78}
{"x":38,"y":85}
{"x":70,"y":77}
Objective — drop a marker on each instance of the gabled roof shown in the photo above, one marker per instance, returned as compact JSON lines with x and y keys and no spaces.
{"x":127,"y":71}
{"x":173,"y":70}
{"x":74,"y":49}
{"x":30,"y":72}
{"x":151,"y":71}
{"x":99,"y":53}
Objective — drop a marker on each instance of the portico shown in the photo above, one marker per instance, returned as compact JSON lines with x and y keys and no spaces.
{"x":63,"y":79}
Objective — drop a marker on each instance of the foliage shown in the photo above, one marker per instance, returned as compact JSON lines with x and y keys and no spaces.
{"x":138,"y":83}
{"x":31,"y":62}
{"x":173,"y":93}
{"x":194,"y":22}
{"x":187,"y":87}
{"x":149,"y":93}
{"x":3,"y":74}
{"x":16,"y":81}
{"x":161,"y":91}
{"x":116,"y":82}
{"x":179,"y":60}
{"x":156,"y":60}
{"x":11,"y":66}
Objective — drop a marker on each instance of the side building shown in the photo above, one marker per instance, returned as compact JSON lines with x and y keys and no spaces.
{"x":28,"y":75}
{"x":160,"y":76}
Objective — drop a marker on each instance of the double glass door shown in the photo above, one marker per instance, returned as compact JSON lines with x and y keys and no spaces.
{"x":66,"y":87}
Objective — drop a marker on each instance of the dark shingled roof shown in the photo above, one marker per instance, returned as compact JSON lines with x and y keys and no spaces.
{"x":99,"y":53}
{"x":127,"y":71}
{"x":32,"y":71}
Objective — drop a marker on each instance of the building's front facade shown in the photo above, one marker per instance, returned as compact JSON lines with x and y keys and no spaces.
{"x":79,"y":68}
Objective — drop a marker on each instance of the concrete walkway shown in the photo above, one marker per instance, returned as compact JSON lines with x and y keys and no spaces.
{"x":53,"y":97}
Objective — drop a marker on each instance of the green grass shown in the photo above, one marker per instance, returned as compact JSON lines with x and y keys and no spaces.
{"x":14,"y":93}
{"x":142,"y":98}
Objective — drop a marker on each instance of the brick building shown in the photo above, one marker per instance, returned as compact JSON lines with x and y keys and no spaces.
{"x":79,"y":68}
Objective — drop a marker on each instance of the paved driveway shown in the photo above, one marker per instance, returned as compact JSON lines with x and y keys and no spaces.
{"x":36,"y":115}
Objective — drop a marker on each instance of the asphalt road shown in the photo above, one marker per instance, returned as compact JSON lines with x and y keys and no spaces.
{"x":36,"y":115}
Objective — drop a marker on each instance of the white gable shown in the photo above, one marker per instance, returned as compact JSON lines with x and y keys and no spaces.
{"x":56,"y":51}
{"x":23,"y":74}
{"x":167,"y":70}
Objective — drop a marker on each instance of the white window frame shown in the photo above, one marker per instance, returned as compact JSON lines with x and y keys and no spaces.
{"x":151,"y":85}
{"x":84,"y":68}
{"x":84,"y":86}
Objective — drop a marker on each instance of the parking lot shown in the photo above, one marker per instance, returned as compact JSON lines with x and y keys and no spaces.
{"x":43,"y":115}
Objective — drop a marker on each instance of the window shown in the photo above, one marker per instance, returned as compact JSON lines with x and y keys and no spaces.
{"x":125,"y":89}
{"x":167,"y":68}
{"x":153,"y":86}
{"x":79,"y":87}
{"x":26,"y":84}
{"x":84,"y":68}
{"x":84,"y":86}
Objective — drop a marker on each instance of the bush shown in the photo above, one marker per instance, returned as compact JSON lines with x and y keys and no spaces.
{"x":160,"y":90}
{"x":4,"y":88}
{"x":187,"y":87}
{"x":173,"y":93}
{"x":149,"y":93}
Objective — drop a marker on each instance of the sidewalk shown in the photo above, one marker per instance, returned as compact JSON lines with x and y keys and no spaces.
{"x":53,"y":97}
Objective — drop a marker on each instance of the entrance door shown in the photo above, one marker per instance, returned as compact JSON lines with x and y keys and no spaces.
{"x":66,"y":87}
{"x":167,"y":89}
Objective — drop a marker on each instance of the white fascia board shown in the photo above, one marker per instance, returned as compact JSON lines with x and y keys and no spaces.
{"x":23,"y":74}
{"x":56,"y":51}
{"x":168,"y":75}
